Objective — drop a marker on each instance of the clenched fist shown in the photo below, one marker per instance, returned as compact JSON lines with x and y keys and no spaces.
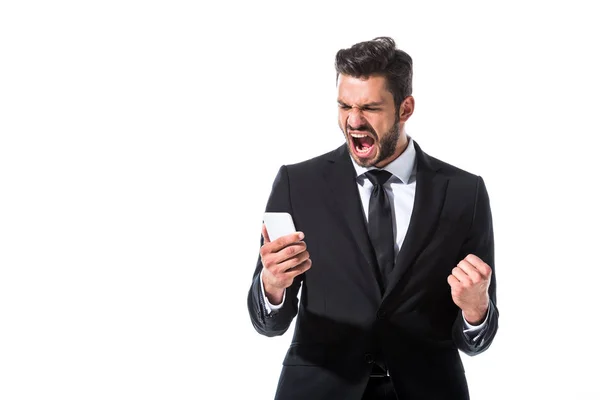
{"x":282,"y":260}
{"x":469,"y":284}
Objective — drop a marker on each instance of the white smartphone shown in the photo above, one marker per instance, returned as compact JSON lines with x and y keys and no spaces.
{"x":278,"y":224}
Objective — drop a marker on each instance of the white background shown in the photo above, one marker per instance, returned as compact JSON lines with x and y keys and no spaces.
{"x":139,"y":141}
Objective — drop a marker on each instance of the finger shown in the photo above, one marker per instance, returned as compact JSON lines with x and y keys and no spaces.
{"x":287,"y":240}
{"x":470,"y":270}
{"x":452,"y":281}
{"x":478,"y":263}
{"x":473,"y":259}
{"x":461,"y":275}
{"x":278,"y":257}
{"x":273,"y":260}
{"x":293,"y":262}
{"x":265,"y":234}
{"x":299,"y":269}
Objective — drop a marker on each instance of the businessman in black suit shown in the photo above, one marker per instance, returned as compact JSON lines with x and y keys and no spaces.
{"x":394,"y":254}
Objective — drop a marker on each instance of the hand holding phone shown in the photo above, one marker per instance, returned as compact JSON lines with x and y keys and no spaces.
{"x":280,"y":265}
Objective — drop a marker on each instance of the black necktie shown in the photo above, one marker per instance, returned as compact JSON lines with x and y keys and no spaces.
{"x":380,"y":229}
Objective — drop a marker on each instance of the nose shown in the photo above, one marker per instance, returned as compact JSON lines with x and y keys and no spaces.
{"x":355,"y":118}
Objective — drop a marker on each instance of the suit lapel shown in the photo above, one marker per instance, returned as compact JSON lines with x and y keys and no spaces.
{"x":343,"y":197}
{"x":429,"y":198}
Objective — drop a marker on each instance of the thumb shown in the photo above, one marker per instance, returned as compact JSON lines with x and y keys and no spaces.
{"x":265,"y":234}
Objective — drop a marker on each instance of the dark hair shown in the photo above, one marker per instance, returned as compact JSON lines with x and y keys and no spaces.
{"x":378,"y":57}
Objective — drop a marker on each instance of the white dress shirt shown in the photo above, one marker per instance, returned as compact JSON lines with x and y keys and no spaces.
{"x":400,"y":189}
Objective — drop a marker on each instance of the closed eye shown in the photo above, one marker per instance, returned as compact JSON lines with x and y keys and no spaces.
{"x":371,"y":107}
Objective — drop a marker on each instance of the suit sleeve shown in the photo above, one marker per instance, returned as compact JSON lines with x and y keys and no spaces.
{"x":480,"y":241}
{"x":277,"y":322}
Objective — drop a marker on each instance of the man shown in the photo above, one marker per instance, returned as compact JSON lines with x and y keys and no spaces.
{"x":394,"y":253}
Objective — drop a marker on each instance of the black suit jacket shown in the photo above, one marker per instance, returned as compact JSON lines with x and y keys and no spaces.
{"x":344,"y":320}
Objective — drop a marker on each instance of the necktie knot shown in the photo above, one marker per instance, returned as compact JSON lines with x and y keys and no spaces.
{"x":378,"y":176}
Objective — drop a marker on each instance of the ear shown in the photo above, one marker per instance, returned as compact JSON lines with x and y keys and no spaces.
{"x":406,"y":108}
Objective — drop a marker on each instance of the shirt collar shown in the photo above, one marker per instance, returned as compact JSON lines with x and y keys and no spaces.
{"x":402,"y":167}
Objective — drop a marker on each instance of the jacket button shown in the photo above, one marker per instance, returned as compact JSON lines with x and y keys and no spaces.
{"x":380,"y":314}
{"x":369,"y":358}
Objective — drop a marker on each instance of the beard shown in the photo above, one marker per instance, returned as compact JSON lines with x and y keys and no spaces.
{"x":386,"y":144}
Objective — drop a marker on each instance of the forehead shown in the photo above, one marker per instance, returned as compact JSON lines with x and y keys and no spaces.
{"x":358,"y":91}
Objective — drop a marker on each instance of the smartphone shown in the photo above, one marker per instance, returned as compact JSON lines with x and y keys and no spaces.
{"x":278,"y":224}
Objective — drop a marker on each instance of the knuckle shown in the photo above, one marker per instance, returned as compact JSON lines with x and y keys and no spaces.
{"x":269,"y":263}
{"x":263,"y":250}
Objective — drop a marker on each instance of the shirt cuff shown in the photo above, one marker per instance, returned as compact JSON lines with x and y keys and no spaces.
{"x":473,"y":331}
{"x":270,"y":307}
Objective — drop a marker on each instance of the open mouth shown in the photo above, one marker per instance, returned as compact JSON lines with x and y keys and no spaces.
{"x":362,"y":144}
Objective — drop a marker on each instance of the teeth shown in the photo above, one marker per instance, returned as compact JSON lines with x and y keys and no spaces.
{"x":357,"y":135}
